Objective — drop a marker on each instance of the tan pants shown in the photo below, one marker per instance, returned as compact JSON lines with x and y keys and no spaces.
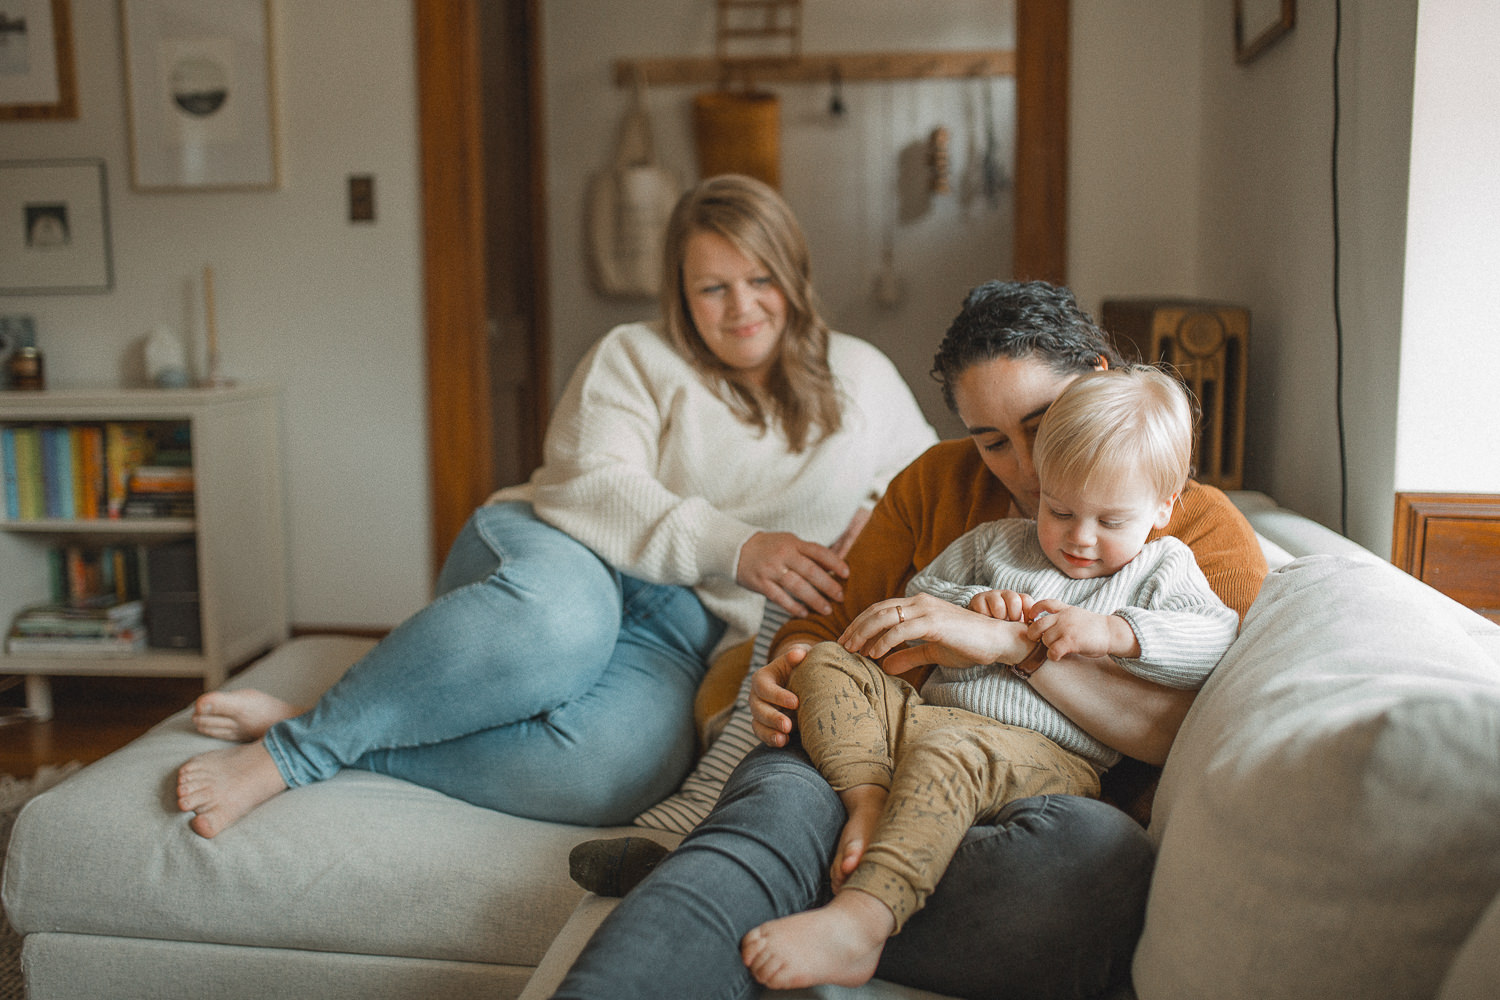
{"x":946,"y":768}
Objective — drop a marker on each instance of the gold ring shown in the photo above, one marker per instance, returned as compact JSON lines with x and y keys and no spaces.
{"x":900,"y":615}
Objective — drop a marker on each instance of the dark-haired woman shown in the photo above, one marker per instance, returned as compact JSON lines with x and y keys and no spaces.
{"x":1048,"y":900}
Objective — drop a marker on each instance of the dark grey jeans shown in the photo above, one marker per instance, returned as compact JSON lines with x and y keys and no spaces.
{"x":1047,"y":901}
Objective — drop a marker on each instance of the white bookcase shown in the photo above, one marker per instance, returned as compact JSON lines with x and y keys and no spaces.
{"x":237,"y":528}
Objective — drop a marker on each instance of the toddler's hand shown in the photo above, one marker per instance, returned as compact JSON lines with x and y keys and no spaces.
{"x":1006,"y":605}
{"x":1065,"y":629}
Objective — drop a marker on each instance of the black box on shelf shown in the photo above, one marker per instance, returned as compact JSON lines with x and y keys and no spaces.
{"x":173,"y":622}
{"x":172,"y":607}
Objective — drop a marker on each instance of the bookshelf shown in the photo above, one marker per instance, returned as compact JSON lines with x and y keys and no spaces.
{"x":235,"y":531}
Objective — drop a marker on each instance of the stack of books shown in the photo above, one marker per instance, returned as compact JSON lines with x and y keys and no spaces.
{"x":106,"y":627}
{"x":159,"y":491}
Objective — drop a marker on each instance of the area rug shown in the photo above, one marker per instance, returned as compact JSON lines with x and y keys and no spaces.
{"x":15,"y":793}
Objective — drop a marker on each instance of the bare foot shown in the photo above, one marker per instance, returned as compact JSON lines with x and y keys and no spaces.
{"x":864,"y":804}
{"x":221,"y":786}
{"x":839,"y":943}
{"x":240,"y":716}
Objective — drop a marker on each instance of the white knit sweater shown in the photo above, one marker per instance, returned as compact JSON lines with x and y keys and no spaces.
{"x":647,"y":466}
{"x":1182,"y":626}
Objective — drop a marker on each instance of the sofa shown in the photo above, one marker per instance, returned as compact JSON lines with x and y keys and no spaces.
{"x":1328,"y":825}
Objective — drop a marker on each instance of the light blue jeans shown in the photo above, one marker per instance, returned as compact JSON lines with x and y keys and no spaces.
{"x":540,"y":682}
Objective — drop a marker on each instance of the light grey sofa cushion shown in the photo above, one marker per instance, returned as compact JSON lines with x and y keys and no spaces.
{"x":1329,"y":816}
{"x":1475,"y":973}
{"x":362,"y":864}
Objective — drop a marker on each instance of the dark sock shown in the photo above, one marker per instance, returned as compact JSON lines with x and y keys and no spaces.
{"x":614,"y":866}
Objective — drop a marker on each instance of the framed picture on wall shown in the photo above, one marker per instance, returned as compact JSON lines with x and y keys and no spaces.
{"x":1259,"y":23}
{"x":54,"y":227}
{"x":36,"y":61}
{"x":200,"y":88}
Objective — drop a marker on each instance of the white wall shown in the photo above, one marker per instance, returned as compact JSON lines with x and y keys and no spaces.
{"x":837,"y":173}
{"x":1135,"y":149}
{"x":1266,"y":241}
{"x":1447,"y":439}
{"x":327,"y":310}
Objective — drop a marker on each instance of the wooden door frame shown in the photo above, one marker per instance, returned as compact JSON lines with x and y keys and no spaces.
{"x":459,"y":413}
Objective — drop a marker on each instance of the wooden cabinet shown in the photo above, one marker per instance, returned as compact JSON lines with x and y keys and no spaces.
{"x":1451,"y":541}
{"x":236,"y":530}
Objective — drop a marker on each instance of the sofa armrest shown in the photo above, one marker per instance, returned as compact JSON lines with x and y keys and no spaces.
{"x":1293,"y":533}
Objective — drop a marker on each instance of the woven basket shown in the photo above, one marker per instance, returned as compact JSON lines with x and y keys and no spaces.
{"x":739,"y":132}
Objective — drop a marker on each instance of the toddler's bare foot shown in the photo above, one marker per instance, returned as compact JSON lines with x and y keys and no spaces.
{"x":241,"y":715}
{"x":864,"y":805}
{"x":839,"y":943}
{"x":221,"y":786}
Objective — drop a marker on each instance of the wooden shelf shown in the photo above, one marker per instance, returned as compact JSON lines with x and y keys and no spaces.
{"x":847,"y":67}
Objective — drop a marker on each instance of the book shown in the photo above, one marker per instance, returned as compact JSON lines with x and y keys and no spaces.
{"x":88,"y":471}
{"x":129,"y":643}
{"x":161,"y":479}
{"x":125,"y":448}
{"x":8,"y":470}
{"x":57,"y":471}
{"x":32,"y":500}
{"x":64,"y":620}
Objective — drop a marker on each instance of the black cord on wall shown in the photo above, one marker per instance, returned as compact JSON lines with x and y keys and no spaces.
{"x":1338,"y":321}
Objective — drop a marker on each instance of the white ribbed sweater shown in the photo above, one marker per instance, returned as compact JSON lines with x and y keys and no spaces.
{"x":647,"y":466}
{"x":1182,"y":627}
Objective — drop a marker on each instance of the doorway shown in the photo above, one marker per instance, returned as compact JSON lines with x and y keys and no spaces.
{"x":485,"y":281}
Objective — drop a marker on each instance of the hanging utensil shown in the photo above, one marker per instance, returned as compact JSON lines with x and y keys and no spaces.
{"x":836,"y":106}
{"x":993,"y":170}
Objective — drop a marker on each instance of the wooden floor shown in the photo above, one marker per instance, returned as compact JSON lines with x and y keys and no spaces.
{"x":92,"y":717}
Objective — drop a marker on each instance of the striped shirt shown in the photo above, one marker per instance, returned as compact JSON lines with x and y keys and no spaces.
{"x":1182,"y":627}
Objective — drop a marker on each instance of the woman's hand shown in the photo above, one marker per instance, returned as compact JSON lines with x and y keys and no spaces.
{"x":945,"y":634}
{"x":772,"y":704}
{"x":1066,"y":629}
{"x":797,"y":575}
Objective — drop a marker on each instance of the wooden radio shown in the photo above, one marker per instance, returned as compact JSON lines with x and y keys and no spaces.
{"x":1205,"y":344}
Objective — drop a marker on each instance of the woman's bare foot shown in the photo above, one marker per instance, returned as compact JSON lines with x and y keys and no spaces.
{"x":239,"y":716}
{"x":221,"y":786}
{"x":839,"y":943}
{"x":864,"y":804}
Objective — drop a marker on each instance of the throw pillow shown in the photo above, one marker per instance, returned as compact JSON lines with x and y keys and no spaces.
{"x":1329,"y":818}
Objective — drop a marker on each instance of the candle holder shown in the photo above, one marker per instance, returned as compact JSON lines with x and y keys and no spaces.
{"x":214,"y":379}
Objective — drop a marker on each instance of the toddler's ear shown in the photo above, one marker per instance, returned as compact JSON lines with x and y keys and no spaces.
{"x":1164,"y":512}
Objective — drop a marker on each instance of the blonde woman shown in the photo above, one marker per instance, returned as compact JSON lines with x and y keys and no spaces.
{"x":693,"y":469}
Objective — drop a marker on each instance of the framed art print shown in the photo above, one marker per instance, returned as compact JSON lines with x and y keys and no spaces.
{"x":1258,"y":24}
{"x":36,"y":61}
{"x":54,"y":227}
{"x":201,"y":93}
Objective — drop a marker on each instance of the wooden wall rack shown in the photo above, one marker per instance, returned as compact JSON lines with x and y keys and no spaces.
{"x":846,"y":67}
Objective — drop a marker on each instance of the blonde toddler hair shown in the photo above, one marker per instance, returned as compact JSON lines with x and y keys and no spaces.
{"x":1109,"y":423}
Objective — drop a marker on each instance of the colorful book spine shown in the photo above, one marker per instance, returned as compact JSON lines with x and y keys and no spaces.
{"x":125,"y":448}
{"x":8,"y":470}
{"x":57,"y":471}
{"x":88,"y":470}
{"x":32,"y":500}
